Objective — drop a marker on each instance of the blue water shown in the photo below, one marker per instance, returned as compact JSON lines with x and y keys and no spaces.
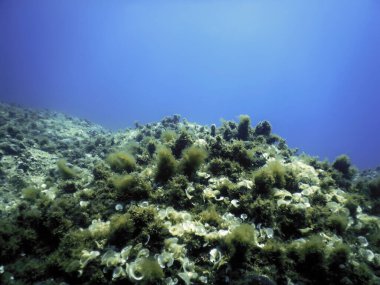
{"x":312,"y":68}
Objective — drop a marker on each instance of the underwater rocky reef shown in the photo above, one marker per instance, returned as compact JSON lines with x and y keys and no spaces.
{"x":175,"y":202}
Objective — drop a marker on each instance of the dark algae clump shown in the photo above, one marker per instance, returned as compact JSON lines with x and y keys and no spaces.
{"x":120,"y":162}
{"x":166,"y":165}
{"x":174,"y":202}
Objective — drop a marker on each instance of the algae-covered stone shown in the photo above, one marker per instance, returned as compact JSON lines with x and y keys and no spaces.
{"x":232,"y":205}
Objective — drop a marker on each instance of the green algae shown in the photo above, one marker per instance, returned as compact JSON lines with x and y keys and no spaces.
{"x":166,"y":165}
{"x":66,"y":171}
{"x":244,"y":127}
{"x":192,"y":159}
{"x":121,"y":161}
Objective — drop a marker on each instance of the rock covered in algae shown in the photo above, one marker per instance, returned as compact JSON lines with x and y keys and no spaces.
{"x":174,"y":202}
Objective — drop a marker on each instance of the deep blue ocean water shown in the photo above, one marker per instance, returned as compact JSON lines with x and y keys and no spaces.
{"x":312,"y":68}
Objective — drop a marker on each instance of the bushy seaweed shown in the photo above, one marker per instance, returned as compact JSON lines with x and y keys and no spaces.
{"x":264,"y":181}
{"x":213,"y":130}
{"x":273,"y":255}
{"x":240,"y":154}
{"x":211,"y":216}
{"x":138,"y":224}
{"x":262,"y":211}
{"x":131,"y":186}
{"x":342,"y":164}
{"x":122,"y":229}
{"x":192,"y":159}
{"x":263,"y":128}
{"x":166,"y":165}
{"x":121,"y":161}
{"x":337,"y":263}
{"x":374,"y":188}
{"x":168,"y":135}
{"x":290,"y":220}
{"x":175,"y":192}
{"x":240,"y":242}
{"x":219,"y":167}
{"x":337,"y":223}
{"x":66,"y":171}
{"x":31,"y":193}
{"x":183,"y":141}
{"x":151,"y":147}
{"x":310,"y":259}
{"x":243,"y":127}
